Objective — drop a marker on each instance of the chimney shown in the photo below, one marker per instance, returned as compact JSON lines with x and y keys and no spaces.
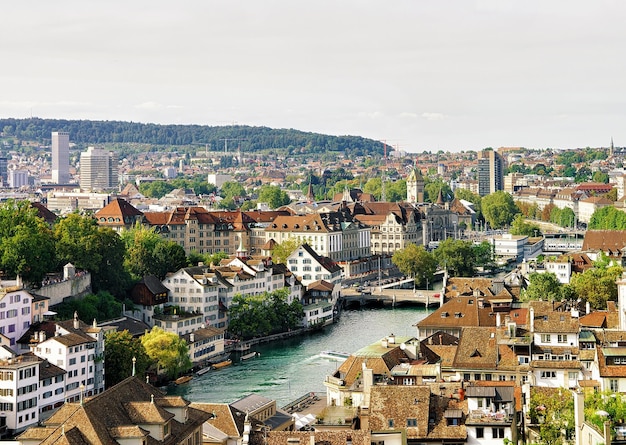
{"x":498,"y":319}
{"x":531,"y":321}
{"x":76,"y":321}
{"x":192,"y":338}
{"x":587,"y":308}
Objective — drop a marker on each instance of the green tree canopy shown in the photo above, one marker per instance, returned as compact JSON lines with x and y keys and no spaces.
{"x":149,"y":254}
{"x":553,"y":410}
{"x":232,"y":189}
{"x":282,"y":250}
{"x":119,"y":350}
{"x":26,"y":242}
{"x":608,"y":218}
{"x":168,"y":350}
{"x":596,"y":285}
{"x":415,"y":261}
{"x":273,"y":195}
{"x":520,"y":226}
{"x":498,"y":209}
{"x":545,"y":287}
{"x":457,"y":256}
{"x":260,"y":315}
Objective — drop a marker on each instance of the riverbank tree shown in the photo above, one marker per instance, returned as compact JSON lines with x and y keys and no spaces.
{"x":415,"y":261}
{"x":265,"y":314}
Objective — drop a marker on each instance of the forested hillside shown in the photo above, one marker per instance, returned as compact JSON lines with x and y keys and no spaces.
{"x":248,"y":138}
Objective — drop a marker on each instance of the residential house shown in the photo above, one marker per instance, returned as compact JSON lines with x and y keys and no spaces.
{"x":309,"y":266}
{"x":492,"y":415}
{"x":131,"y":412}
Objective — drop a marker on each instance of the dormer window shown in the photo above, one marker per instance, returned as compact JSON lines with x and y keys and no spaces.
{"x":166,"y":430}
{"x":444,"y":314}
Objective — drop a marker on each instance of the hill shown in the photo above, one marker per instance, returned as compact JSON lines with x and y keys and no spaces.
{"x":85,"y":132}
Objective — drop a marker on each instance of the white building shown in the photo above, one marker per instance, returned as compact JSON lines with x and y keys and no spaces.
{"x":218,"y":180}
{"x":60,"y":157}
{"x":98,"y":169}
{"x":19,"y":384}
{"x":18,"y":178}
{"x":509,"y":246}
{"x":308,"y":266}
{"x":76,"y":348}
{"x":15,"y":312}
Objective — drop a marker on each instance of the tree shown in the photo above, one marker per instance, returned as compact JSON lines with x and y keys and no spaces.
{"x":432,"y":188}
{"x":608,"y":218}
{"x":519,"y":226}
{"x":168,"y":350}
{"x":232,"y":189}
{"x":273,"y":196}
{"x":101,"y":306}
{"x":120,"y":347}
{"x":26,"y":242}
{"x":553,"y":410}
{"x":149,"y":254}
{"x":282,"y":250}
{"x":498,"y":209}
{"x":596,"y":285}
{"x":457,"y":256}
{"x":415,"y":261}
{"x":545,"y":287}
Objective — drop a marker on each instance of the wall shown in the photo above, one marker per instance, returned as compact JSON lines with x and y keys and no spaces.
{"x":74,"y":287}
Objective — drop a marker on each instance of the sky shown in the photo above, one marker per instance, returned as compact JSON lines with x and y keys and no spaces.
{"x":421,"y":75}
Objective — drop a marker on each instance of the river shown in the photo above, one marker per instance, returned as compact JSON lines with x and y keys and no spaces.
{"x":290,"y":368}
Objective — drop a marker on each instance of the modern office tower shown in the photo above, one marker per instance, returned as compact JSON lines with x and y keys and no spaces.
{"x":98,"y":169}
{"x":60,"y":157}
{"x":490,"y":172}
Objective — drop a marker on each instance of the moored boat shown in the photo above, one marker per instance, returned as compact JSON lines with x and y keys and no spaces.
{"x":249,"y":355}
{"x":223,"y":364}
{"x":182,"y":380}
{"x":203,"y":371}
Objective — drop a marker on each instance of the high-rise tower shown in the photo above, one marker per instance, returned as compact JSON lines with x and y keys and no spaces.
{"x":98,"y":169}
{"x":60,"y":157}
{"x":490,"y":172}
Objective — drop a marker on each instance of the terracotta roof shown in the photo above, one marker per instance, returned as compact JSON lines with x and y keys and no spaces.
{"x":605,"y":240}
{"x":459,"y":312}
{"x":477,"y":349}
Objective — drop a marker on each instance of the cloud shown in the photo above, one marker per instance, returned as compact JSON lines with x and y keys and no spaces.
{"x":433,"y":116}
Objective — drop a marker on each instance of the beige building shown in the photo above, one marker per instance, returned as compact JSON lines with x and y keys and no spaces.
{"x":98,"y":169}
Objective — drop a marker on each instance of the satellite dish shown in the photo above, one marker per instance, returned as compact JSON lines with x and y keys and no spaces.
{"x":402,"y":346}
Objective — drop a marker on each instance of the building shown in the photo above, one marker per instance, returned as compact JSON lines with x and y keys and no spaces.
{"x":131,"y":413}
{"x":309,"y":267}
{"x":490,"y":172}
{"x":98,"y":169}
{"x":4,"y":169}
{"x":60,"y":157}
{"x":75,"y":347}
{"x":218,"y":180}
{"x":17,"y":178}
{"x":415,"y":186}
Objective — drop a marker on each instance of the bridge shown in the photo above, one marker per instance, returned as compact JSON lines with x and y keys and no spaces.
{"x":391,"y":297}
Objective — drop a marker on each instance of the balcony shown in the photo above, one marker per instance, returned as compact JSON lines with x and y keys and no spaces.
{"x":482,"y":416}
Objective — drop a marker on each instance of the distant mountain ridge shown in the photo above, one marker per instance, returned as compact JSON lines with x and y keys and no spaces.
{"x":246,"y":137}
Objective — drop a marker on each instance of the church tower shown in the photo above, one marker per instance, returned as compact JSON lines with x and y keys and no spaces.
{"x":415,"y":186}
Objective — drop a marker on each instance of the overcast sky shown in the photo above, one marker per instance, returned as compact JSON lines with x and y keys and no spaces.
{"x":422,"y":75}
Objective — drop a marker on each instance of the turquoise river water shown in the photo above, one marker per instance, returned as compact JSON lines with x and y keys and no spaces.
{"x":290,"y":368}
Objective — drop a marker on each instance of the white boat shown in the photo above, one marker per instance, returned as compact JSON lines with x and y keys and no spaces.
{"x":249,"y":355}
{"x":334,"y":355}
{"x":203,"y":371}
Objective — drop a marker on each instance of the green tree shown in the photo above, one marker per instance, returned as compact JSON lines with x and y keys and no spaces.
{"x":596,"y":285}
{"x":553,"y":410}
{"x":155,"y":189}
{"x":545,"y":287}
{"x":120,"y":347}
{"x":273,"y":196}
{"x":282,"y":250}
{"x":599,"y":176}
{"x":483,"y":253}
{"x":457,"y":256}
{"x":608,"y":218}
{"x":168,"y":350}
{"x":498,"y":209}
{"x":415,"y":261}
{"x":519,"y":226}
{"x":100,"y":306}
{"x":26,"y":242}
{"x":149,"y":254}
{"x":432,"y":188}
{"x":232,"y":189}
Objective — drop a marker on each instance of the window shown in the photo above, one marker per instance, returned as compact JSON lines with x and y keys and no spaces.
{"x":390,"y":423}
{"x":548,"y":374}
{"x":497,"y":433}
{"x":545,"y":338}
{"x":480,"y":432}
{"x":562,"y":338}
{"x":613,"y":385}
{"x":411,"y":422}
